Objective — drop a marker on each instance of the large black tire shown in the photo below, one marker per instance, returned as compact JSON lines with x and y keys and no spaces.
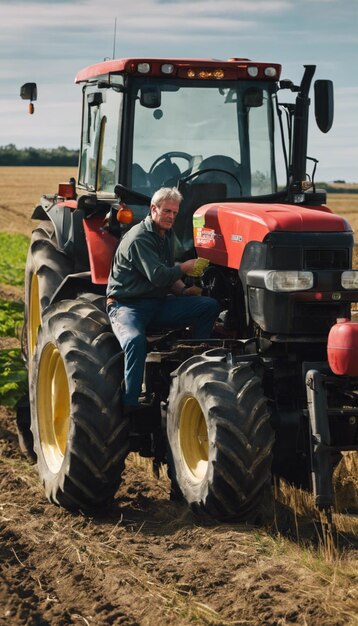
{"x":80,"y":436}
{"x":46,"y":267}
{"x":220,"y":439}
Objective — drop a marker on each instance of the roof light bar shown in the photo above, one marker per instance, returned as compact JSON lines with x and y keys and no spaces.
{"x":197,"y":72}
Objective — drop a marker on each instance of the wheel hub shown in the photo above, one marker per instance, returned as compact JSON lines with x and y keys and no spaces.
{"x":53,"y":406}
{"x":193,"y":438}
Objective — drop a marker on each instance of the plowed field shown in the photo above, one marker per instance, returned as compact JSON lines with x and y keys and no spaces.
{"x":148,"y":561}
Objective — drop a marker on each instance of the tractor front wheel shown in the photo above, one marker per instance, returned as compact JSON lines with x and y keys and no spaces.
{"x":219,"y":435}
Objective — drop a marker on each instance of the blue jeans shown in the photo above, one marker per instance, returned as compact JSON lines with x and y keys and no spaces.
{"x":130,"y":322}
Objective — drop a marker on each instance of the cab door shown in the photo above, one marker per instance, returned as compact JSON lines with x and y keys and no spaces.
{"x":100,"y":141}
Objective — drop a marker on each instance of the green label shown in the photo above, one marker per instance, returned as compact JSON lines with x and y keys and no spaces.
{"x":198,"y":221}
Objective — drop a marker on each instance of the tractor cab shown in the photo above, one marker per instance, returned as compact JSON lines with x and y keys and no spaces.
{"x":212,"y":128}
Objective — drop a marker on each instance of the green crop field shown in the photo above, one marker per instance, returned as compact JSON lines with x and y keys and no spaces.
{"x":13,"y":250}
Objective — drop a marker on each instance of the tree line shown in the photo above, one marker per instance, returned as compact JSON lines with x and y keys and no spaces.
{"x":11,"y":155}
{"x":346,"y":187}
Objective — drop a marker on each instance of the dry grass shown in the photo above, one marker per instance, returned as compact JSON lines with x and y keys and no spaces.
{"x":346,"y":205}
{"x":345,"y":186}
{"x":21,"y":189}
{"x":302,"y":504}
{"x":24,"y":185}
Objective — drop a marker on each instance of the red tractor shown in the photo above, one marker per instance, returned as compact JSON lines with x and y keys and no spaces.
{"x":274,"y":392}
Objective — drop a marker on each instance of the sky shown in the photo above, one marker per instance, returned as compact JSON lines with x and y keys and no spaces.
{"x":49,"y":41}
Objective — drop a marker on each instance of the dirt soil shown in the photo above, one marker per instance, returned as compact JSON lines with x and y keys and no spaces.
{"x":149,"y":561}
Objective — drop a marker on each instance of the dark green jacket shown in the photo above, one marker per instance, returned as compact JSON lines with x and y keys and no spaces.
{"x":143,"y":264}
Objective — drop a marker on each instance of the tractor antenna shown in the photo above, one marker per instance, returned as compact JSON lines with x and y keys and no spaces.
{"x":114,"y":37}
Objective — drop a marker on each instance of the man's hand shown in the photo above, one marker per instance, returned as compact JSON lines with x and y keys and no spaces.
{"x":194,"y":267}
{"x":192,"y":291}
{"x":179,"y":289}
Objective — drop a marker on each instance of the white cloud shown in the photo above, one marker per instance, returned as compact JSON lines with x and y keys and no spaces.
{"x":145,"y":16}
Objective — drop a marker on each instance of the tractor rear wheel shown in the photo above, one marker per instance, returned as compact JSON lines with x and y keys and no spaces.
{"x":80,"y":436}
{"x":46,"y":267}
{"x":219,"y":435}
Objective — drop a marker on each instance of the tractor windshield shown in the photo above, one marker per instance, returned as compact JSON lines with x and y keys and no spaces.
{"x":201,"y":133}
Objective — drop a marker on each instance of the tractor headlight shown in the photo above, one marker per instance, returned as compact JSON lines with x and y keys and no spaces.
{"x":288,"y":280}
{"x":349,"y":279}
{"x":143,"y":68}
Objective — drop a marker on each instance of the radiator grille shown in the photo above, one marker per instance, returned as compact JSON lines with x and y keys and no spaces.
{"x":326,"y":259}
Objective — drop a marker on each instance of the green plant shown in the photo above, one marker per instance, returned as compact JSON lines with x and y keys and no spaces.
{"x":11,"y":318}
{"x":13,"y":377}
{"x":13,"y":251}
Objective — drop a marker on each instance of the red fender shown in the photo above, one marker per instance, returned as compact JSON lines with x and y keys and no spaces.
{"x":101,"y":246}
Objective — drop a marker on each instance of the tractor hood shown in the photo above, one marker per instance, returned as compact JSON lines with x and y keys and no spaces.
{"x":222,"y":230}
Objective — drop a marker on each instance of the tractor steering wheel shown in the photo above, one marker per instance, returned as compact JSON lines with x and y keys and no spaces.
{"x":168,"y":156}
{"x":207,"y":170}
{"x":222,"y":165}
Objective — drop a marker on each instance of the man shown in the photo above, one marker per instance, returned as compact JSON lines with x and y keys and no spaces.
{"x":146,"y":289}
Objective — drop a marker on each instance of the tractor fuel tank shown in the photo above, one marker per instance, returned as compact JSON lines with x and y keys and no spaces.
{"x":342,"y":348}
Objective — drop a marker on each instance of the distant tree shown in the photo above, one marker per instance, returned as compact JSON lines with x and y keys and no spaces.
{"x":10,"y":155}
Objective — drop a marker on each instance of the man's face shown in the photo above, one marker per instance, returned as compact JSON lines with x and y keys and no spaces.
{"x":164,"y":214}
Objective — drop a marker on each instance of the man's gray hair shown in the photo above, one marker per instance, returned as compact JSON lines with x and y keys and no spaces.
{"x":166,"y":193}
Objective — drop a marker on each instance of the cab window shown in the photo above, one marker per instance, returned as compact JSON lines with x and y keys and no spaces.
{"x":100,"y":139}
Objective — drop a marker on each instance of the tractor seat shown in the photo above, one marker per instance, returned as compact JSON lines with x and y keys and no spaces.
{"x":164,"y":172}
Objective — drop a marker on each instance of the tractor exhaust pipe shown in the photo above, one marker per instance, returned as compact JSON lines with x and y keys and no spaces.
{"x":300,"y":132}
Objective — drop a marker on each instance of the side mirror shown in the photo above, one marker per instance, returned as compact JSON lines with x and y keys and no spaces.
{"x":28,"y":91}
{"x":323,"y":92}
{"x":150,"y":97}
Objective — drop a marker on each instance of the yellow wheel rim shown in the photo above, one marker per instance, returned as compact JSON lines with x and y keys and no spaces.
{"x":34,"y":321}
{"x":53,"y":406}
{"x":193,"y":438}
